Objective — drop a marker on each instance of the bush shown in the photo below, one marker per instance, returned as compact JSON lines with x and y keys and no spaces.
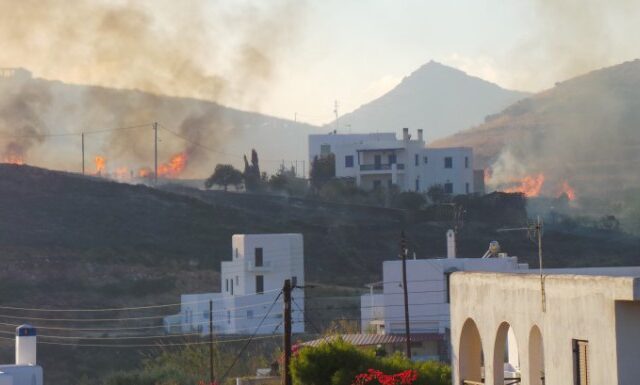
{"x":338,"y":363}
{"x":409,"y":200}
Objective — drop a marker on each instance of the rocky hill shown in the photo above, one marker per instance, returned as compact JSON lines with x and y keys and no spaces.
{"x":439,"y":99}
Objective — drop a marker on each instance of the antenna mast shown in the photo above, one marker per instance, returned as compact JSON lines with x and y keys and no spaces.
{"x":335,"y":111}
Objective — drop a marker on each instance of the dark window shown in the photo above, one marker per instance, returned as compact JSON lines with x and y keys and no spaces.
{"x":228,"y":317}
{"x":417,"y":184}
{"x":237,"y":281}
{"x":259,"y":284}
{"x":226,"y":284}
{"x":348,"y":161}
{"x":377,"y":184}
{"x":581,"y":362}
{"x":231,"y":285}
{"x":377,"y":162}
{"x":466,"y":162}
{"x":448,"y":162}
{"x":426,"y":159}
{"x":447,"y":279}
{"x":466,"y":187}
{"x":236,"y":252}
{"x":258,"y":256}
{"x":417,"y":157}
{"x":448,"y":188}
{"x":392,"y":159}
{"x":294,"y":281}
{"x":249,"y":314}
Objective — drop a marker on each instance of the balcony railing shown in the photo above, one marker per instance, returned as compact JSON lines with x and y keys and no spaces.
{"x":251,"y":266}
{"x":381,"y":166}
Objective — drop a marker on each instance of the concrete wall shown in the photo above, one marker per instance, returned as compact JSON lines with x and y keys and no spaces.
{"x":577,"y":307}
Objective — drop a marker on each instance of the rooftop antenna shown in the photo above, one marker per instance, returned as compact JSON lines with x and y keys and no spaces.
{"x":335,"y":111}
{"x":534,"y":232}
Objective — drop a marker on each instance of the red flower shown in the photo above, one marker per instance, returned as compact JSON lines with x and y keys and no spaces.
{"x":407,"y":377}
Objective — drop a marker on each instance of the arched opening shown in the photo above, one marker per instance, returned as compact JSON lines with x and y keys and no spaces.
{"x":536,"y":357}
{"x":506,"y":360}
{"x":471,"y":358}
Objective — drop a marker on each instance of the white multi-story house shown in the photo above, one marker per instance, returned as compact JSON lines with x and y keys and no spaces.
{"x":250,"y":283}
{"x":428,"y":293}
{"x":381,"y":160}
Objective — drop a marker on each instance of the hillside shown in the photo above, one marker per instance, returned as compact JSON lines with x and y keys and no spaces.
{"x":584,"y":129}
{"x":38,"y":118}
{"x":69,"y":241}
{"x":439,"y":99}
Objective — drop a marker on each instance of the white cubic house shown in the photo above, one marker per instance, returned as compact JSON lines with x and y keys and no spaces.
{"x":250,"y":283}
{"x":25,"y":371}
{"x":429,"y":298}
{"x":381,"y":160}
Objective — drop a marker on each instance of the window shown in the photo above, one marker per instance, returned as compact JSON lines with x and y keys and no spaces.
{"x":447,"y":282}
{"x":325,"y":149}
{"x":466,"y":187}
{"x":417,"y":158}
{"x":417,"y":184}
{"x":448,"y":162}
{"x":392,"y":159}
{"x":226,"y":284}
{"x":258,"y":256}
{"x":231,"y":285}
{"x":228,"y":317}
{"x":581,"y":362}
{"x":348,"y":161}
{"x":237,"y":281}
{"x":377,"y":162}
{"x":259,"y":284}
{"x":294,"y":281}
{"x":448,"y":188}
{"x":425,"y":159}
{"x":377,"y":184}
{"x":236,"y":252}
{"x":249,"y":314}
{"x":466,"y":162}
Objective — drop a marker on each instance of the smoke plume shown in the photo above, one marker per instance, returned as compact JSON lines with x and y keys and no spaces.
{"x":198,"y":49}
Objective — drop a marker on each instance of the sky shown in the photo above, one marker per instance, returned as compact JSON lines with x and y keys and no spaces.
{"x":295,"y":58}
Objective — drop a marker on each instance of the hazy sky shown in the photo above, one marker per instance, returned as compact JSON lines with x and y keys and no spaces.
{"x":287,"y":57}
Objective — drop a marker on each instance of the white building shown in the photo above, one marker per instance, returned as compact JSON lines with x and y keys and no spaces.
{"x":428,"y":292}
{"x":250,"y":282}
{"x":25,"y":371}
{"x":583,"y":330}
{"x":381,"y":160}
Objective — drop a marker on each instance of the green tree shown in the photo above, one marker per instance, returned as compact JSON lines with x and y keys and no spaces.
{"x":224,"y":175}
{"x":323,"y":169}
{"x":252,"y":176}
{"x":436,"y":194}
{"x":338,"y":362}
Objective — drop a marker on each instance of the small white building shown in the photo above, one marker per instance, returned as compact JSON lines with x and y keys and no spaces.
{"x":250,"y":283}
{"x":381,"y":160}
{"x":428,"y":292}
{"x":580,"y":330}
{"x":26,"y":370}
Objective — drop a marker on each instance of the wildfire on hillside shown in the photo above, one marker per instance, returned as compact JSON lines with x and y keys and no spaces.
{"x":174,"y":167}
{"x":530,"y":186}
{"x":567,"y":190}
{"x":13,"y":159}
{"x":101,"y":163}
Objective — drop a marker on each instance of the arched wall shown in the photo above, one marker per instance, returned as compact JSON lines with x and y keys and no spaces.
{"x":499,"y":351}
{"x":536,"y":356}
{"x":470,"y":353}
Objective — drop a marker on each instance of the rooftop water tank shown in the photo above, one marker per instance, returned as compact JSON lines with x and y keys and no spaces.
{"x":26,"y":345}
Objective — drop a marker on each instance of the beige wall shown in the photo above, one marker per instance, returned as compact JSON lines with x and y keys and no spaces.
{"x":577,"y":307}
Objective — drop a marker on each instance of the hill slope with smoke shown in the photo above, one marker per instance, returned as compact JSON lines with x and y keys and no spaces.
{"x":585,"y":131}
{"x":41,"y":121}
{"x":440,"y":99}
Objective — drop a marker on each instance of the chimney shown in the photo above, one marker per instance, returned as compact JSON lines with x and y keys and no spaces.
{"x":451,"y":244}
{"x":25,"y":345}
{"x":420,"y":134}
{"x":405,"y":134}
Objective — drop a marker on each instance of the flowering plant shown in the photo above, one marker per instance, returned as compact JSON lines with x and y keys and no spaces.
{"x":407,"y":377}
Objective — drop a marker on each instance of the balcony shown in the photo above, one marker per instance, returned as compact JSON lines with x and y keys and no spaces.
{"x":251,"y":266}
{"x":381,"y":167}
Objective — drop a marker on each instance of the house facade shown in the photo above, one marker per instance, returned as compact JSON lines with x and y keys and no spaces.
{"x":250,"y":283}
{"x":381,"y":160}
{"x":566,"y":328}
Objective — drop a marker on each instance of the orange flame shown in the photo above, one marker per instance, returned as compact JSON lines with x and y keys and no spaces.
{"x":530,"y":186}
{"x":174,"y":167}
{"x":567,"y":190}
{"x":121,"y":173}
{"x":145,"y":172}
{"x":14,"y":159}
{"x":101,"y":163}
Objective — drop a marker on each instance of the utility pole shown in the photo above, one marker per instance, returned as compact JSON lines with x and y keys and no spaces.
{"x":403,"y":255}
{"x":286,"y":291}
{"x":304,"y":174}
{"x":211,"y":377}
{"x":83,"y":153}
{"x":155,"y":153}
